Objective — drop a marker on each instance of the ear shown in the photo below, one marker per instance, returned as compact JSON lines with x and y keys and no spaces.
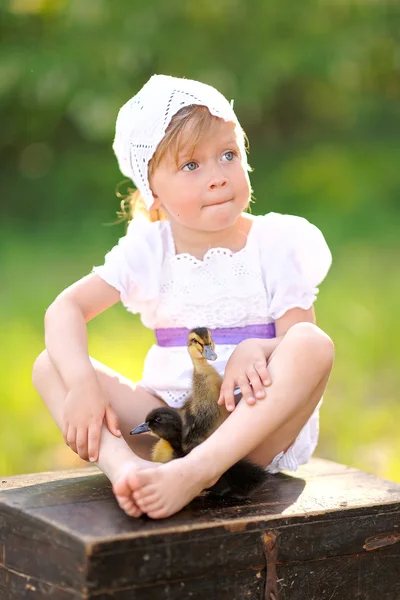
{"x":156,"y":204}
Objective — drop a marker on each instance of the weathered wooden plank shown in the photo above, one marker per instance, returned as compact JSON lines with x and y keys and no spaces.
{"x":240,"y":585}
{"x":17,"y":586}
{"x":20,"y":481}
{"x":65,"y":567}
{"x":162,"y":559}
{"x":288,"y":496}
{"x":368,"y":576}
{"x":49,"y":492}
{"x":157,"y":559}
{"x":339,"y":536}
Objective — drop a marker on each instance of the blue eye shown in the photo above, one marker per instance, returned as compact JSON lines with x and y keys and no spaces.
{"x":229,"y":155}
{"x":191,"y":166}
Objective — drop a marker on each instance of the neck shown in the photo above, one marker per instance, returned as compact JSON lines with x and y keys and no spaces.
{"x":197,"y":242}
{"x":200,"y":364}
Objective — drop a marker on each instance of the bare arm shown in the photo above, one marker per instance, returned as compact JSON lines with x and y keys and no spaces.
{"x":85,"y":406}
{"x":65,"y":326}
{"x":282,"y":326}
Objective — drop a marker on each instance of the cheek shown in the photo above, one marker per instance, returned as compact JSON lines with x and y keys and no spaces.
{"x":184,"y":198}
{"x":180,"y":204}
{"x":243,"y":183}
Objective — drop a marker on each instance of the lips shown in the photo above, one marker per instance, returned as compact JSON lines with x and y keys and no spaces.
{"x":218,"y":202}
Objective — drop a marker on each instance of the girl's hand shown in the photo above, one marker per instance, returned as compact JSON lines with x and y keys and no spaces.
{"x":247,"y":368}
{"x":85,"y":409}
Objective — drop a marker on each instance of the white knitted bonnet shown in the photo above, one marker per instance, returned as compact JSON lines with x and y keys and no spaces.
{"x":143,"y":120}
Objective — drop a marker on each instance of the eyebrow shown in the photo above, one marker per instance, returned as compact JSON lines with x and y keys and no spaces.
{"x":226,"y":144}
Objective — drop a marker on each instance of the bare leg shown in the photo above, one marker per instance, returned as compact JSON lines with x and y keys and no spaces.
{"x":118,"y":457}
{"x":299,"y":369}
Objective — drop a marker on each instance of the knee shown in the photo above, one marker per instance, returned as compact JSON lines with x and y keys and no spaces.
{"x":312,"y":338}
{"x":41,"y":367}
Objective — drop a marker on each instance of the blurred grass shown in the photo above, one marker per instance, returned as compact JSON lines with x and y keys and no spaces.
{"x":316,"y":88}
{"x":357,"y":306}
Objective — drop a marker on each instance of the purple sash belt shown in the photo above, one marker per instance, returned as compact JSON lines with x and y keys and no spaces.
{"x":177,"y":336}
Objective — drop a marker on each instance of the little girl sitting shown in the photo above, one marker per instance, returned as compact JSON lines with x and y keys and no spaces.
{"x":195,"y":259}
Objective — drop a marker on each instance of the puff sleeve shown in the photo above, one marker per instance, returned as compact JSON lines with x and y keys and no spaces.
{"x":295,"y":259}
{"x":133,"y":265}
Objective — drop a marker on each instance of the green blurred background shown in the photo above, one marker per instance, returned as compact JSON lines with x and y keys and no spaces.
{"x":316,"y":86}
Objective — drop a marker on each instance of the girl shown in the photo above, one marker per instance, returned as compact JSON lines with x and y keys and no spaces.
{"x":200,"y":261}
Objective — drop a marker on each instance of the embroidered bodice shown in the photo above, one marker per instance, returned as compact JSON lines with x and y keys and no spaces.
{"x":283,"y":261}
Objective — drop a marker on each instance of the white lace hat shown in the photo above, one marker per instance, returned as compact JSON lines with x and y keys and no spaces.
{"x":143,"y":120}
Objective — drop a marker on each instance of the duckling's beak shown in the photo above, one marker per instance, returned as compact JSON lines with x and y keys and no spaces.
{"x":143,"y":428}
{"x":208,"y":352}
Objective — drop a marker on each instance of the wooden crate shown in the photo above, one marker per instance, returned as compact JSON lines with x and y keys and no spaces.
{"x":327,"y":532}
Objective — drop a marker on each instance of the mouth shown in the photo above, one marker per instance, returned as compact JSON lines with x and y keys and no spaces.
{"x":218,"y":203}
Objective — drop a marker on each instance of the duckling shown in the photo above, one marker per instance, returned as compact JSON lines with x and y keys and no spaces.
{"x":166,"y":424}
{"x":239,"y":481}
{"x":201,"y":413}
{"x":199,"y":418}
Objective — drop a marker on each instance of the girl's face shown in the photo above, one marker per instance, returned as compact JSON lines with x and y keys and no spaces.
{"x":206,"y":189}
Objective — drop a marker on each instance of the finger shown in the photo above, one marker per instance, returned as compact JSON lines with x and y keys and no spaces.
{"x":262,"y":370}
{"x":82,"y":442}
{"x":112,"y":421}
{"x":228,"y":397}
{"x":71,"y":438}
{"x":246,"y":390}
{"x":254,"y":378}
{"x":94,"y":434}
{"x":64,"y":431}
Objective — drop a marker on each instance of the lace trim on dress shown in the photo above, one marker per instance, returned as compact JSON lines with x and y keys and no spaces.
{"x":225,"y":289}
{"x":175,"y":398}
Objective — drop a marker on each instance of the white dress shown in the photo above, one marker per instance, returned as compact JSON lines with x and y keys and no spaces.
{"x":279,"y":268}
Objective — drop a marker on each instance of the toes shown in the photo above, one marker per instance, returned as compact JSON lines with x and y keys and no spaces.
{"x":147,"y":493}
{"x":134,"y":512}
{"x":127,"y":484}
{"x":129,"y":506}
{"x":146,"y":501}
{"x":124,"y":502}
{"x":133,"y":481}
{"x":119,"y":488}
{"x":125,"y":488}
{"x":152,"y":506}
{"x":131,"y":509}
{"x":158,"y":513}
{"x":146,"y":504}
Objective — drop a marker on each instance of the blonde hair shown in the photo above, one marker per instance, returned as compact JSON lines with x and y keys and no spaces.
{"x":201,"y":122}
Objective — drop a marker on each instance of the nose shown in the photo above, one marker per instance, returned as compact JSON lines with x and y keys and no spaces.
{"x":217,"y":180}
{"x":218,"y":183}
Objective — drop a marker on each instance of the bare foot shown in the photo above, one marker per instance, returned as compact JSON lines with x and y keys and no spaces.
{"x":125,"y":483}
{"x":164,"y":490}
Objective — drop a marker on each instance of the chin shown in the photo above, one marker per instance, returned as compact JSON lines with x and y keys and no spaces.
{"x":222,"y":221}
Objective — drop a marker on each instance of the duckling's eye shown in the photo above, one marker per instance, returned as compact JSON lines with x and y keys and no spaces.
{"x":157,"y":419}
